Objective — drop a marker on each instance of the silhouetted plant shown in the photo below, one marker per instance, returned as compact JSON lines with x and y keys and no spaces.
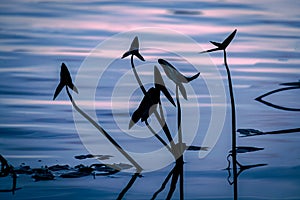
{"x":134,"y":51}
{"x":149,"y":104}
{"x":223,"y":46}
{"x":66,"y":81}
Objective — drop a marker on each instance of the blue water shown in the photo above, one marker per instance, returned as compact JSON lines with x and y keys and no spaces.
{"x":37,"y":36}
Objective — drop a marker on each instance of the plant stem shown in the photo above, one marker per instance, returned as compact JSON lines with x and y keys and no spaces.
{"x":233,"y":126}
{"x":179,"y":119}
{"x":180,"y":159}
{"x":111,"y":140}
{"x":162,"y":123}
{"x":137,"y":76}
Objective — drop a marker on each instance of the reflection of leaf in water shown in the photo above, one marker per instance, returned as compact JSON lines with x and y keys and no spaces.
{"x":197,"y":148}
{"x":42,"y":174}
{"x":120,"y":166}
{"x":249,"y":132}
{"x":99,"y":157}
{"x":246,"y":149}
{"x":253,"y":132}
{"x":59,"y":167}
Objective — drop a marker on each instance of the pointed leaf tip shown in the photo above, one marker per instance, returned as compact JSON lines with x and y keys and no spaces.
{"x":160,"y":84}
{"x":135,"y":44}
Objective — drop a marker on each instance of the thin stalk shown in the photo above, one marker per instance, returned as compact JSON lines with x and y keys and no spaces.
{"x":128,"y":186}
{"x":181,"y":188}
{"x":163,"y":124}
{"x":176,"y":173}
{"x":233,"y":126}
{"x":111,"y":140}
{"x":137,"y":76}
{"x":157,"y":136}
{"x":180,"y":142}
{"x":179,"y":119}
{"x":163,"y":185}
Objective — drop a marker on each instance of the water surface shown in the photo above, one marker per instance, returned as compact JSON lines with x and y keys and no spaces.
{"x":36,"y":36}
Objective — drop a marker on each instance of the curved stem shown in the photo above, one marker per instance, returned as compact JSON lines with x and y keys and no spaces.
{"x":111,"y":140}
{"x":128,"y":186}
{"x":233,"y":125}
{"x":163,"y":185}
{"x":276,"y":106}
{"x":174,"y":180}
{"x":137,"y":76}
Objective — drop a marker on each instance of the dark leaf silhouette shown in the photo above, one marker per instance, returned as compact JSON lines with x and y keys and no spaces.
{"x":246,"y":149}
{"x":254,"y":132}
{"x":149,"y":103}
{"x":65,"y":80}
{"x":197,"y":148}
{"x":99,"y":157}
{"x":297,"y":84}
{"x":160,"y":84}
{"x":223,"y":45}
{"x":249,"y":132}
{"x":134,"y":49}
{"x":178,"y":78}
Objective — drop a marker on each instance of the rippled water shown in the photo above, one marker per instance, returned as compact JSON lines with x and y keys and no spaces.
{"x":36,"y":36}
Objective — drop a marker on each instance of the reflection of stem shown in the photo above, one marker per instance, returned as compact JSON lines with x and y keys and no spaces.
{"x":157,"y":136}
{"x":181,"y":177}
{"x":233,"y":124}
{"x":276,"y":106}
{"x":175,"y":176}
{"x":128,"y":186}
{"x":161,"y":122}
{"x":111,"y":140}
{"x":163,"y":185}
